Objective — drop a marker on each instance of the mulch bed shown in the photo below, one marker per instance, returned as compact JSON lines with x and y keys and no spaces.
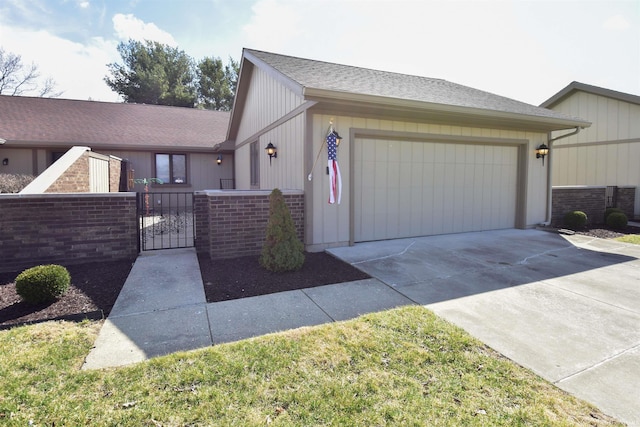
{"x":95,"y":286}
{"x":93,"y":291}
{"x":242,"y":277}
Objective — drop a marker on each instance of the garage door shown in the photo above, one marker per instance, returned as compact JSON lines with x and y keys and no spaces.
{"x":412,"y":188}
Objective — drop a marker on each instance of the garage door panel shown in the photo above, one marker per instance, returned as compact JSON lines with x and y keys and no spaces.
{"x":424,"y":188}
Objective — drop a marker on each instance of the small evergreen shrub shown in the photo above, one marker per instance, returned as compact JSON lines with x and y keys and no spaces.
{"x":609,"y":211}
{"x":282,"y":251}
{"x":43,"y":283}
{"x":575,"y":220}
{"x":617,"y":220}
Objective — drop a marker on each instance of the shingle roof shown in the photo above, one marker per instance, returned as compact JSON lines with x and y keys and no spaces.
{"x":348,"y":79}
{"x":52,"y":121}
{"x":582,"y":87}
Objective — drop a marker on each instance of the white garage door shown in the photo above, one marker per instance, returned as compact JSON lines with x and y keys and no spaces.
{"x":410,"y":188}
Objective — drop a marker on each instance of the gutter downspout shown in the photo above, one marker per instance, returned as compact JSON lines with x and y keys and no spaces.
{"x":547,"y":222}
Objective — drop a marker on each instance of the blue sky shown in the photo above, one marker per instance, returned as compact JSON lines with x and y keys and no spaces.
{"x":526,"y":50}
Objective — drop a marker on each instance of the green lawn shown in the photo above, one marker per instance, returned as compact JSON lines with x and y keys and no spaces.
{"x":400,"y":367}
{"x":630,"y":238}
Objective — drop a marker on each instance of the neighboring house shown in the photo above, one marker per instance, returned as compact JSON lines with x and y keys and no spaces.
{"x":419,"y":156}
{"x":606,"y":154}
{"x":179,"y":145}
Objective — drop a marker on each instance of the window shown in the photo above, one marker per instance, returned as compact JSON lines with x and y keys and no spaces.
{"x":254,"y":164}
{"x":171,"y":168}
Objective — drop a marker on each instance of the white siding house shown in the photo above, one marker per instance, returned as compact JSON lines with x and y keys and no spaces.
{"x":418,"y":157}
{"x":606,"y":154}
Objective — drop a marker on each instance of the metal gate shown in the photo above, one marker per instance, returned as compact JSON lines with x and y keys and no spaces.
{"x":165,"y":220}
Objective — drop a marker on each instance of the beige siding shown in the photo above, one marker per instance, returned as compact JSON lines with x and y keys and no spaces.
{"x":203,"y":172}
{"x":611,"y":119}
{"x":267,"y":101}
{"x":332,"y":226}
{"x":20,"y":161}
{"x":98,"y":175}
{"x":608,"y":152}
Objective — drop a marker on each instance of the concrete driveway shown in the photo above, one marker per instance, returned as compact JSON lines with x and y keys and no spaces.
{"x":565,"y":307}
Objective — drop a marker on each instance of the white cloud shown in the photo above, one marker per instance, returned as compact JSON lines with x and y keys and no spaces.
{"x":78,"y":69}
{"x":129,"y":27}
{"x":616,"y":23}
{"x":273,"y":25}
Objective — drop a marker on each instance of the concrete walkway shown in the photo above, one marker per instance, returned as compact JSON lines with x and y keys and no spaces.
{"x":566,"y":307}
{"x":162,"y":309}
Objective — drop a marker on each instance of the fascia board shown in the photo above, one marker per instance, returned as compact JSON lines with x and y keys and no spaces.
{"x":546,"y":123}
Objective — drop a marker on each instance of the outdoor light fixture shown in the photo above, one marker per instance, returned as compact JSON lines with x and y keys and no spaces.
{"x":219,"y":159}
{"x":5,"y":161}
{"x":542,"y":151}
{"x":272,"y":151}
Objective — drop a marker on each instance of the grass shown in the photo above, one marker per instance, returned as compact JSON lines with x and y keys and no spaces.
{"x":630,"y":238}
{"x":401,"y":367}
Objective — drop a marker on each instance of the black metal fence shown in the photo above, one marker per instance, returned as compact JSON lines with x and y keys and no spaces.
{"x":166,"y":220}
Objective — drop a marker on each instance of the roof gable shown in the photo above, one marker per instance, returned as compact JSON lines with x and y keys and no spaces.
{"x":328,"y":80}
{"x":574,"y":87}
{"x":52,"y":121}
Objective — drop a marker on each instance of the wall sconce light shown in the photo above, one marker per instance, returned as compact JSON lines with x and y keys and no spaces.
{"x":272,"y":151}
{"x":219,"y":159}
{"x":542,"y":151}
{"x":5,"y":161}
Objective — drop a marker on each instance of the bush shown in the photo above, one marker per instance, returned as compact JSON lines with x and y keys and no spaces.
{"x":575,"y":220}
{"x":282,"y":251}
{"x":43,"y":283}
{"x":609,"y":211}
{"x":617,"y":220}
{"x":14,"y":183}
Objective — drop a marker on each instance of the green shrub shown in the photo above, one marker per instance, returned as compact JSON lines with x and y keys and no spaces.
{"x":43,"y":283}
{"x":575,"y":220}
{"x":617,"y":220}
{"x":609,"y":211}
{"x":282,"y":251}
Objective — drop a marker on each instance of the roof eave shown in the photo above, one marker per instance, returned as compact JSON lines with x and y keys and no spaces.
{"x":452,"y":112}
{"x":595,"y":90}
{"x":118,"y":146}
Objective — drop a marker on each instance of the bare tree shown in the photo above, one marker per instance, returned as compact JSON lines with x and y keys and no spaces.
{"x":17,"y":78}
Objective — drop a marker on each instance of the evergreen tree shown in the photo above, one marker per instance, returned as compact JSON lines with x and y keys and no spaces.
{"x":153,"y":73}
{"x":282,"y":250}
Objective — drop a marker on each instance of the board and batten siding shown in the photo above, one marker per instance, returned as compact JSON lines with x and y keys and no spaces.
{"x":267,"y":101}
{"x":607,"y":153}
{"x":334,"y":227}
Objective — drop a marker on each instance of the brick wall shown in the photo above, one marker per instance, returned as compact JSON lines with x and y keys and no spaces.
{"x":115,"y":169}
{"x":626,"y":200}
{"x":66,"y":229}
{"x":233,"y":223}
{"x":75,"y":179}
{"x":590,"y":200}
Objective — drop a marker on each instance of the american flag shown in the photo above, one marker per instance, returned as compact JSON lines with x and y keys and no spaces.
{"x":335,"y":181}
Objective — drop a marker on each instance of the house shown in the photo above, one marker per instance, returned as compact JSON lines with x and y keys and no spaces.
{"x":606,"y":154}
{"x":419,"y":156}
{"x":182,"y":146}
